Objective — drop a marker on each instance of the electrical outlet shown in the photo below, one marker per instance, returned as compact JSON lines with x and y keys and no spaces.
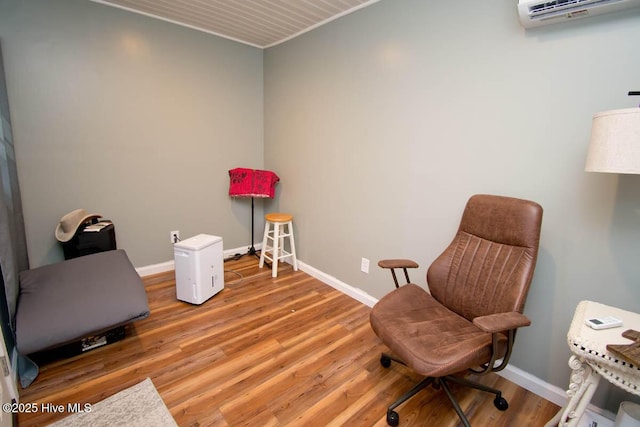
{"x":364,"y":265}
{"x":175,"y":236}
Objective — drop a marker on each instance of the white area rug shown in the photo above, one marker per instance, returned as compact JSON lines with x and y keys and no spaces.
{"x":137,"y":406}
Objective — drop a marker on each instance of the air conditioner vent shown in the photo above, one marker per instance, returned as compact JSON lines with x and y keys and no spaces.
{"x":564,"y":6}
{"x":534,"y":13}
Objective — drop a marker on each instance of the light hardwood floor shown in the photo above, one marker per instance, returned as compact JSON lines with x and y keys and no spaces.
{"x":266,"y":352}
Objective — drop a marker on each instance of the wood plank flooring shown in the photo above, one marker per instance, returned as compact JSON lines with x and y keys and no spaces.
{"x":289,"y":351}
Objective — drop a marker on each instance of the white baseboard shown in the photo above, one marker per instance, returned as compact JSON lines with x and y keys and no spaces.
{"x":148,"y":270}
{"x":355,"y":293}
{"x":163,"y":267}
{"x":529,"y":382}
{"x":534,"y":384}
{"x":556,"y":395}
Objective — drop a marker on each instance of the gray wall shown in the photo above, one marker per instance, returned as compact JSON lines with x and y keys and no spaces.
{"x":383,"y":123}
{"x":380,"y":125}
{"x":134,"y":118}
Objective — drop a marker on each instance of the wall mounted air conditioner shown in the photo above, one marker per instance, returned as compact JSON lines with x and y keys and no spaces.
{"x":534,"y":13}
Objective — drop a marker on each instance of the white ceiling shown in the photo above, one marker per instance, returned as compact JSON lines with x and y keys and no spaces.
{"x":259,"y":23}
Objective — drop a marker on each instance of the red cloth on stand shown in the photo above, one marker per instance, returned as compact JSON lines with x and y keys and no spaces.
{"x":252,"y":183}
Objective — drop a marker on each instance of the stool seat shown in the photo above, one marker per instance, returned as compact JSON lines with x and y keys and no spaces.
{"x":278,"y":217}
{"x":282,"y":224}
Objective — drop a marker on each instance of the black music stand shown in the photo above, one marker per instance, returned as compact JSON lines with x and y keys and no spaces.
{"x":252,"y":183}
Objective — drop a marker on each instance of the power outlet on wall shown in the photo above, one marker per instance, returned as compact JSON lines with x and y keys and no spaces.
{"x":364,"y":265}
{"x":175,"y":236}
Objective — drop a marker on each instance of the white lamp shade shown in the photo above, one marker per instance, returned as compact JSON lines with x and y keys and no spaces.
{"x":615,"y":142}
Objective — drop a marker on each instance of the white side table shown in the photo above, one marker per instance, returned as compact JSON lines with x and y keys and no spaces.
{"x":591,"y":360}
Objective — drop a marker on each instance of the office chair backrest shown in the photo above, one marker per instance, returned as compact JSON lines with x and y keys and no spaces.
{"x":488,"y":266}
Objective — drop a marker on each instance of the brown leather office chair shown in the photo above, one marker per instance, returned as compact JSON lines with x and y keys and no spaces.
{"x":477,"y":286}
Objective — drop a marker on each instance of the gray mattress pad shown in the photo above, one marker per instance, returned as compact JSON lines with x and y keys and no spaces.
{"x":64,"y":302}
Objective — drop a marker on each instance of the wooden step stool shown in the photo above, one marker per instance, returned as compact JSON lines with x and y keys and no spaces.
{"x":276,"y":236}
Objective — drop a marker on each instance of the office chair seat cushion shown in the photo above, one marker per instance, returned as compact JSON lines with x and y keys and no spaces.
{"x":431,"y":339}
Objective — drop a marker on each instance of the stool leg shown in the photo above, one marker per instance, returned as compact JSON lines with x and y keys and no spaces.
{"x":281,"y":242}
{"x":276,"y":249}
{"x":264,"y":244}
{"x":293,"y":247}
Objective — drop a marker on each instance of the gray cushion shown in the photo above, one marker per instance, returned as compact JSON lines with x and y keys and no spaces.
{"x":64,"y":302}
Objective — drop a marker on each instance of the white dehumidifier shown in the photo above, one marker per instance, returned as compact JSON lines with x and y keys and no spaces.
{"x":199,"y":268}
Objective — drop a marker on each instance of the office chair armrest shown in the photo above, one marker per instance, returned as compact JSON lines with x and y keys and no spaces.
{"x":498,"y":324}
{"x":398,"y":263}
{"x":501,"y":322}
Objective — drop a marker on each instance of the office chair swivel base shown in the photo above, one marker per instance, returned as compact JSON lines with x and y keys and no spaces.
{"x":393,"y":419}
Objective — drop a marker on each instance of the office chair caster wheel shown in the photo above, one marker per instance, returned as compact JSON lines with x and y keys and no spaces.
{"x":501,"y":403}
{"x":393,"y":419}
{"x":385,"y":361}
